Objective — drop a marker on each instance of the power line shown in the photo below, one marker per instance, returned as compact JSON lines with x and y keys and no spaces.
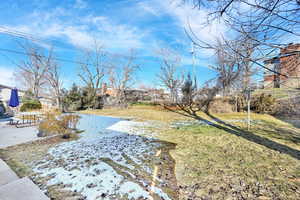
{"x":31,"y":37}
{"x":32,"y":54}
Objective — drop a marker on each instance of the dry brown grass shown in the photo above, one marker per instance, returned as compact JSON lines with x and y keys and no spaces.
{"x":140,"y":113}
{"x":19,"y":157}
{"x":215,"y":163}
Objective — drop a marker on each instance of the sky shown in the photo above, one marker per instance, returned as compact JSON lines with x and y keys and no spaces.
{"x":119,"y":25}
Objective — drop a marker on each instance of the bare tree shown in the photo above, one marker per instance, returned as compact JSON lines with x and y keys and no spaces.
{"x":54,"y":79}
{"x":228,"y":66}
{"x":266,"y":23}
{"x":228,"y":69}
{"x":32,"y":71}
{"x":121,"y":75}
{"x":92,"y":69}
{"x":266,"y":17}
{"x":168,"y":75}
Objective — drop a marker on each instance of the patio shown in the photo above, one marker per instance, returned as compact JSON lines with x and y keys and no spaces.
{"x":10,"y":135}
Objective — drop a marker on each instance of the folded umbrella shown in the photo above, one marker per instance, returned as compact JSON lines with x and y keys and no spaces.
{"x":14,"y":98}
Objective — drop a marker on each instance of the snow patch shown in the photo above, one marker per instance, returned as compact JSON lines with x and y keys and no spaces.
{"x":102,"y":160}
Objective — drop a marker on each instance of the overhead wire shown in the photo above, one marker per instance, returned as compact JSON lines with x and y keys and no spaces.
{"x":33,"y":38}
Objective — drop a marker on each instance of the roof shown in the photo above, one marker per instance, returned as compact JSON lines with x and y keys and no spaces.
{"x":281,"y":56}
{"x":5,"y":86}
{"x":9,"y":87}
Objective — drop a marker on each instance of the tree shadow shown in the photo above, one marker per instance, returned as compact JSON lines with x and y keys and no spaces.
{"x":294,"y":122}
{"x":282,"y":133}
{"x":248,"y":135}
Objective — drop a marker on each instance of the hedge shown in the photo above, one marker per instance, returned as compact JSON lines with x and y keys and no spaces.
{"x":31,"y":105}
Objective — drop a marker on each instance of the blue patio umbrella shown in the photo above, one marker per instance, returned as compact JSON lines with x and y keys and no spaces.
{"x":14,"y":98}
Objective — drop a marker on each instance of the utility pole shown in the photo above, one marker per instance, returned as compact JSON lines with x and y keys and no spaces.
{"x":248,"y":96}
{"x":193,"y":58}
{"x":194,"y":68}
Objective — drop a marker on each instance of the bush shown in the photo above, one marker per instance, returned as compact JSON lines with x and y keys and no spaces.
{"x":263,"y":103}
{"x":55,"y":123}
{"x":239,"y":102}
{"x":221,"y":105}
{"x":144,"y":103}
{"x":31,"y":105}
{"x":288,"y":107}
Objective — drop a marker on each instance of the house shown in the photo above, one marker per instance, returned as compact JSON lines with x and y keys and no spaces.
{"x":5,"y":91}
{"x":47,"y":103}
{"x":134,"y":95}
{"x":157,"y":95}
{"x":287,"y":64}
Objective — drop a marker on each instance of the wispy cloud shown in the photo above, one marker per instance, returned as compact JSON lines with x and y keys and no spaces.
{"x":146,"y":7}
{"x":82,"y":31}
{"x":6,"y":76}
{"x":193,"y":20}
{"x":115,"y":35}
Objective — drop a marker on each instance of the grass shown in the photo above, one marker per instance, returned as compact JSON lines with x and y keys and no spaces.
{"x":156,"y":113}
{"x":213,"y":163}
{"x":19,"y":157}
{"x":278,"y":93}
{"x":140,"y":113}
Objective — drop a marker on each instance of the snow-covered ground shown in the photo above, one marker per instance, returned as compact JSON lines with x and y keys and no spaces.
{"x":112,"y":159}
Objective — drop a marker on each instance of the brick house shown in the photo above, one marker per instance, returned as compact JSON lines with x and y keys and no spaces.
{"x":286,"y":63}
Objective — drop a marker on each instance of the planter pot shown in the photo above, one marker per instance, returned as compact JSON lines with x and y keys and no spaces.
{"x":41,"y":134}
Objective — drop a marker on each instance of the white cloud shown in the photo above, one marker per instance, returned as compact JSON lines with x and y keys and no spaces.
{"x":82,"y":31}
{"x":146,"y":7}
{"x":6,"y":76}
{"x":186,"y":17}
{"x":115,"y":35}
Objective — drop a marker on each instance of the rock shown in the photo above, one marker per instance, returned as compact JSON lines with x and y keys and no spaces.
{"x":103,"y":195}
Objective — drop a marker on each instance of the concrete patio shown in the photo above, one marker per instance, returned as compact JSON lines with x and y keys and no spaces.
{"x":6,"y":174}
{"x":10,"y":135}
{"x":14,"y":188}
{"x":11,"y":186}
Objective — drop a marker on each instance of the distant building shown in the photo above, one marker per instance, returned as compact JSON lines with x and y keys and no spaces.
{"x":5,"y":91}
{"x":47,"y":102}
{"x":157,"y":95}
{"x":286,"y":63}
{"x":134,"y":95}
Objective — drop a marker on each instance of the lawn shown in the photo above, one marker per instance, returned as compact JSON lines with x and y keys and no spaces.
{"x":218,"y":161}
{"x":278,"y":93}
{"x":227,"y":161}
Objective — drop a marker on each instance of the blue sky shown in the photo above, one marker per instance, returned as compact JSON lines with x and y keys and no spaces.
{"x":119,"y":25}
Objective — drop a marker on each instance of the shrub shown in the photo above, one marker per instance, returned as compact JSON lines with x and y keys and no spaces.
{"x":31,"y":105}
{"x":263,"y":103}
{"x":55,"y":123}
{"x":221,"y":105}
{"x":144,"y":103}
{"x":288,"y":107}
